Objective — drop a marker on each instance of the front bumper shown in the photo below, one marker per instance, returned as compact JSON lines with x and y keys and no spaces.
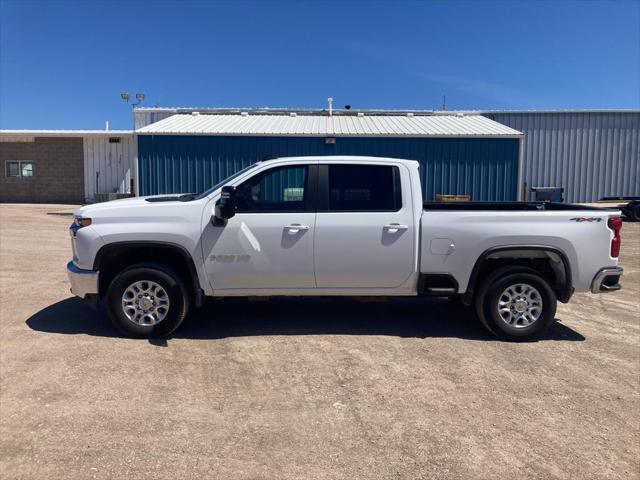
{"x":607,"y":280}
{"x":83,"y":282}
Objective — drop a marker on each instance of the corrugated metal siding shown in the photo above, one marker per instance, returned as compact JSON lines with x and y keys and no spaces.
{"x":486,"y":169}
{"x":108,"y":167}
{"x":142,"y":118}
{"x":450,"y":125}
{"x":590,"y":154}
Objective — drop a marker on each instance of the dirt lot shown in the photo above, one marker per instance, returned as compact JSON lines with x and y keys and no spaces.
{"x":319,"y":389}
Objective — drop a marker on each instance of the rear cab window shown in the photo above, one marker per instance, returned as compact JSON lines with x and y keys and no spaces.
{"x":361,"y":188}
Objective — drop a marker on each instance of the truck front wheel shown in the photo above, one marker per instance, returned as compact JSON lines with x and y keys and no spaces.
{"x":516,"y":303}
{"x":147,"y":300}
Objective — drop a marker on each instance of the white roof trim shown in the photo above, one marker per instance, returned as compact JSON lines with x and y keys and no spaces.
{"x":65,"y":133}
{"x":339,"y":111}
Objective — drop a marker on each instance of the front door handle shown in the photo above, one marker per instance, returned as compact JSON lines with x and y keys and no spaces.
{"x":395,"y":227}
{"x":296,"y":227}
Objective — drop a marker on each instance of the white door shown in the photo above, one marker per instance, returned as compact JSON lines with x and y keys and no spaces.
{"x":364,"y":227}
{"x":268,"y":244}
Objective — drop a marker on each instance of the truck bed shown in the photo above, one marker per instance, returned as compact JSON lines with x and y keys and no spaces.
{"x":509,"y":206}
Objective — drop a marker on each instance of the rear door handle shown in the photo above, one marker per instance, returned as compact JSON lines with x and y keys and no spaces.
{"x":296,"y":227}
{"x":395,"y":227}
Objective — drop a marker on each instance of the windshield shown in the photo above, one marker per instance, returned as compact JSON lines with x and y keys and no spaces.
{"x":226,"y":180}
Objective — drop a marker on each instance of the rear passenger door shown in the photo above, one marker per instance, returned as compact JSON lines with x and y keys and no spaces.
{"x":364,"y":227}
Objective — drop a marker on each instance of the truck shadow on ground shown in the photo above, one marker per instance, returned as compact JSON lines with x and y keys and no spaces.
{"x":238,"y":317}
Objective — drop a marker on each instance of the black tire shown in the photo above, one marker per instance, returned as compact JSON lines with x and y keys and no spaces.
{"x":487,"y":298}
{"x":165,"y":277}
{"x":633,"y":211}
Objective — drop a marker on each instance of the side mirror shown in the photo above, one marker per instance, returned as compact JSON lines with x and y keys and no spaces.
{"x":226,"y":206}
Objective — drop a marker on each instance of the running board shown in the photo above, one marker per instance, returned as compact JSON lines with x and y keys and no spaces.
{"x":437,"y":285}
{"x":441,"y":291}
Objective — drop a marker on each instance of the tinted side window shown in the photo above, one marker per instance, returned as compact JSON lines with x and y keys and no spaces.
{"x":363,"y":188}
{"x":276,"y":190}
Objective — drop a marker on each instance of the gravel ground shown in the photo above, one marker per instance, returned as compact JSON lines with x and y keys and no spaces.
{"x":319,"y":389}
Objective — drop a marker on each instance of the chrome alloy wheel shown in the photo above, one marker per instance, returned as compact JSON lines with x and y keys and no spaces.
{"x":520,"y":305}
{"x":145,"y":303}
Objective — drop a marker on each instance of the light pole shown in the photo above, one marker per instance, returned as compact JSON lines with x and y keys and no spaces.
{"x":126,"y":96}
{"x":134,"y":185}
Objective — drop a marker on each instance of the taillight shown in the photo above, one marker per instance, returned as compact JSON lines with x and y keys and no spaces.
{"x":615,"y":224}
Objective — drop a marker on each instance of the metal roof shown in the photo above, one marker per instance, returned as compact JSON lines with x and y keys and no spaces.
{"x":63,"y":133}
{"x":339,"y":125}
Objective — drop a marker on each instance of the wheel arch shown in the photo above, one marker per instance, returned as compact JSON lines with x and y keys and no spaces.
{"x":563,"y":284}
{"x":114,"y":257}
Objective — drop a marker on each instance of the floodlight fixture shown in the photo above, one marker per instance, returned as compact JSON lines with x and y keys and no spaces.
{"x":126,"y":96}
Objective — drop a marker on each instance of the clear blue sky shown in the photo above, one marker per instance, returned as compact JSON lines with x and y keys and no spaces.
{"x":64,"y":64}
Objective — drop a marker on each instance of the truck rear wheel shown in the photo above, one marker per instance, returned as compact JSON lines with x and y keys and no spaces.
{"x":147,"y":300}
{"x":516,"y":303}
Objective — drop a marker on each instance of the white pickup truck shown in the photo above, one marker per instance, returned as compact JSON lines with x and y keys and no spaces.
{"x":351,"y":226}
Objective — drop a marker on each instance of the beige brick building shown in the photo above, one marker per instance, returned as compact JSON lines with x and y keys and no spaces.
{"x":42,"y":169}
{"x":64,"y":167}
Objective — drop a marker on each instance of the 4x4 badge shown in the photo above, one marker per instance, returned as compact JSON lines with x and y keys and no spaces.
{"x":586,"y":219}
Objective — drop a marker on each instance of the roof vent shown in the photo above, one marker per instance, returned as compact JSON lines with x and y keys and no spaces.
{"x":293,"y":114}
{"x":409,"y":114}
{"x":459,"y":114}
{"x":195,"y":114}
{"x":244,"y":114}
{"x":360,"y":114}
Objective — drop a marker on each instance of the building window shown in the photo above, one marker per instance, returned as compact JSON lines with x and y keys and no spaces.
{"x":13,"y":169}
{"x":19,"y":169}
{"x":26,"y":168}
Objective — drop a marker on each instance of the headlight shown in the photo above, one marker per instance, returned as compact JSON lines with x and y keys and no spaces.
{"x":82,"y":221}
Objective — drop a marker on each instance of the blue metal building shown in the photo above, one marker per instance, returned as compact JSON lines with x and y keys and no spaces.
{"x":458,"y":154}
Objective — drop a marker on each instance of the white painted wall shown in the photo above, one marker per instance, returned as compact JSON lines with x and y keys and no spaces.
{"x":108,"y":167}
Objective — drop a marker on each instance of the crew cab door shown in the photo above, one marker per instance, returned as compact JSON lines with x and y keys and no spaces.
{"x":268,"y":244}
{"x":365,"y":231}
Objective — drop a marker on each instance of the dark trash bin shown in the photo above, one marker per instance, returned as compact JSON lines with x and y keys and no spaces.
{"x":548,"y":194}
